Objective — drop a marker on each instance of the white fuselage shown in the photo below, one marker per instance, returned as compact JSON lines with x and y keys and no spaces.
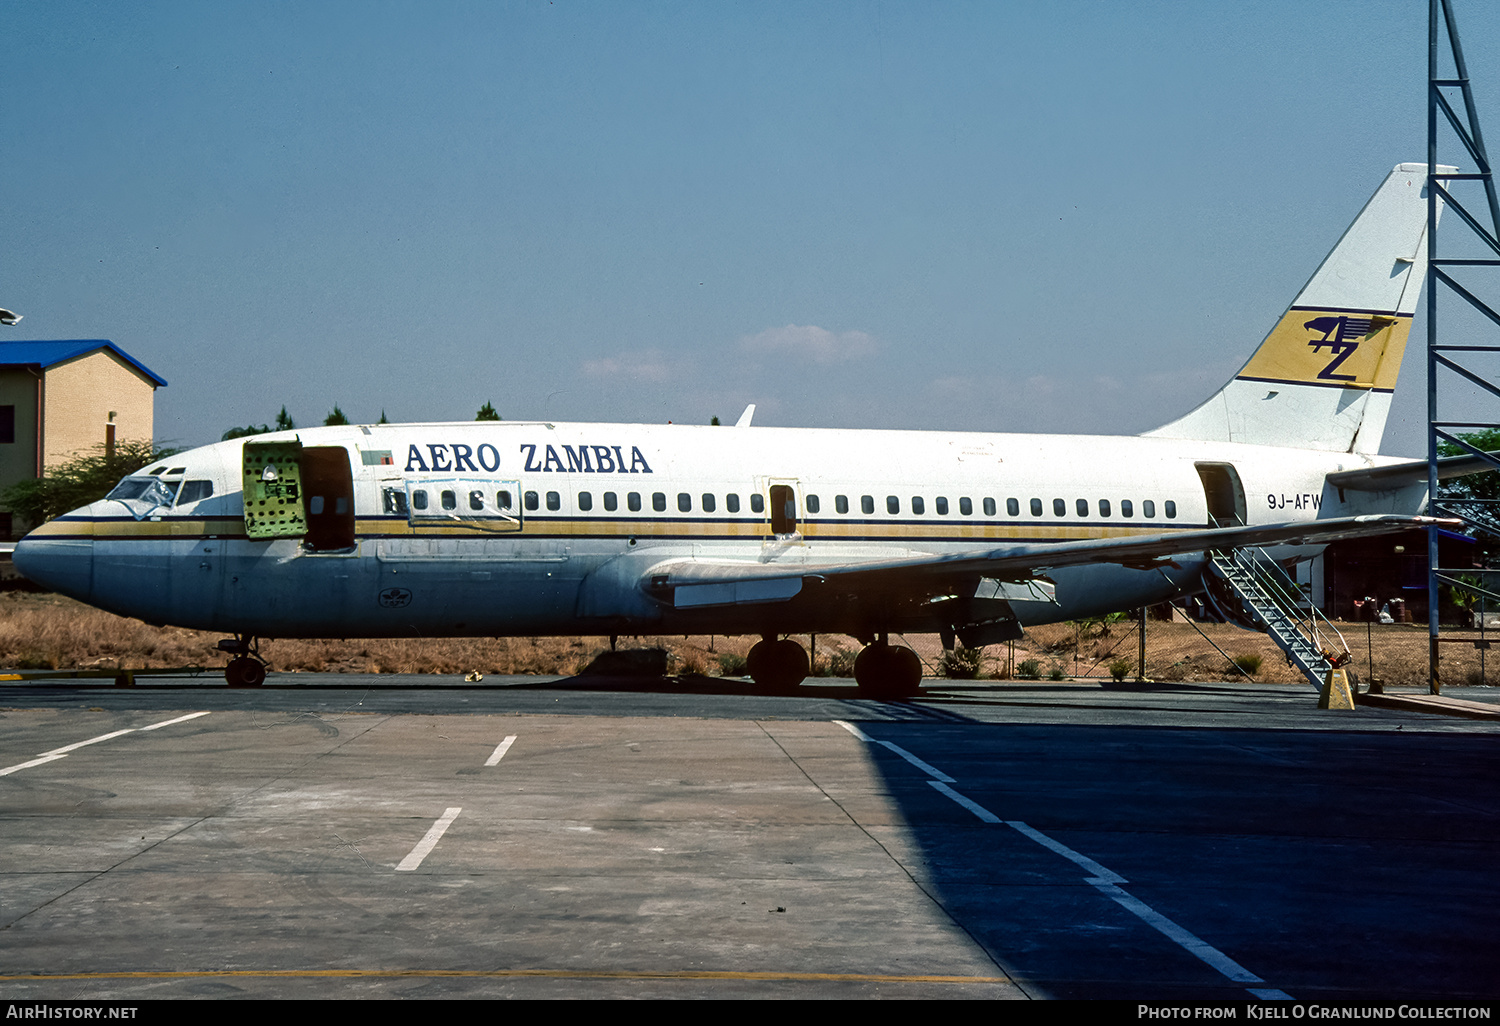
{"x":593,"y":507}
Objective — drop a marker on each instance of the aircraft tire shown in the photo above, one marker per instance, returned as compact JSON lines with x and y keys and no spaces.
{"x":777,"y":666}
{"x":888,"y":672}
{"x":244,"y":672}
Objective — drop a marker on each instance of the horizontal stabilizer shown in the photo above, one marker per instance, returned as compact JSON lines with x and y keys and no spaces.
{"x":1401,"y":475}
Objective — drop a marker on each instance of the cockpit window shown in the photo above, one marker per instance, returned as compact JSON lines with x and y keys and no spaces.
{"x":146,"y":488}
{"x":192,"y":491}
{"x":141,"y":495}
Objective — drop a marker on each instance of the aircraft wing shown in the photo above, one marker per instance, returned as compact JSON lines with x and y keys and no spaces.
{"x":695,"y":583}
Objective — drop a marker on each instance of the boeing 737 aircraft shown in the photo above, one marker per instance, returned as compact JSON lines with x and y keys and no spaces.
{"x":493,"y":529}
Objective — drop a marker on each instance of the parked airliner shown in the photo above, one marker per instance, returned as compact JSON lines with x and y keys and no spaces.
{"x":511,"y":528}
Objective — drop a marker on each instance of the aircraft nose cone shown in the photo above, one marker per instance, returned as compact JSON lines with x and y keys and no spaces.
{"x":64,"y":565}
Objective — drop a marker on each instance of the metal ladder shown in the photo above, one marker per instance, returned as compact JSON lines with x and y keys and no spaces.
{"x":1271,"y":601}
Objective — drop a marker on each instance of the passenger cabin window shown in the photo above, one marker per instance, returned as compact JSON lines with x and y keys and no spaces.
{"x":757,"y":503}
{"x":659,"y":501}
{"x":1036,"y":507}
{"x":917,"y":505}
{"x":419,"y":498}
{"x":476,"y":501}
{"x":684,"y":502}
{"x":732,"y":502}
{"x":633,"y":500}
{"x":503,"y":500}
{"x":449,"y":499}
{"x":393,"y":501}
{"x":611,"y":501}
{"x":708,"y":502}
{"x":554,"y":501}
{"x":1104,"y":507}
{"x":1059,"y":508}
{"x":841,"y":503}
{"x":892,"y":505}
{"x":941,"y":505}
{"x":1171,"y":508}
{"x":1126,"y":509}
{"x":532,"y":502}
{"x":1148,"y":509}
{"x":1012,"y":507}
{"x":966,"y":506}
{"x":1083,"y":507}
{"x":585,"y":501}
{"x":867,"y":504}
{"x":813,"y":505}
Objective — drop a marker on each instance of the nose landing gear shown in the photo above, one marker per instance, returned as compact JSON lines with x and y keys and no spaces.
{"x":247,"y":669}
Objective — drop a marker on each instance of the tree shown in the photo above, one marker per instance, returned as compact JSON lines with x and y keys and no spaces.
{"x":246,"y":431}
{"x":382,"y":419}
{"x":87,"y":477}
{"x":714,"y":422}
{"x":487,"y":412}
{"x":284,"y":422}
{"x":336,"y":417}
{"x":1474,"y":486}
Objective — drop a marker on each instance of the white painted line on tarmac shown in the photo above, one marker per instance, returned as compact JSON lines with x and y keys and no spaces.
{"x":930,"y":770}
{"x":1101,"y":875}
{"x":65,"y":749}
{"x":1205,"y":951}
{"x":934,"y":773}
{"x":425,"y":845}
{"x":7,"y":771}
{"x":500,"y":750}
{"x":1103,"y":879}
{"x":972,"y":806}
{"x":180,"y":719}
{"x":58,"y":753}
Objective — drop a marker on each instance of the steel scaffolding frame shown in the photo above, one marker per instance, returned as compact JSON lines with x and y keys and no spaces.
{"x":1479,"y":513}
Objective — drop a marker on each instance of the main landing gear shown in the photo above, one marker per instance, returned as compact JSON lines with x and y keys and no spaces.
{"x":247,"y":669}
{"x":777,"y":666}
{"x":887,"y":671}
{"x":882,"y":670}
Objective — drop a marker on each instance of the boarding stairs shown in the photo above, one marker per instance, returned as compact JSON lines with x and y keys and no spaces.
{"x":1249,"y":588}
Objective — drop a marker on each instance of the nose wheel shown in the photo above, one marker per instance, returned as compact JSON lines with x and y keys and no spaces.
{"x":247,"y":669}
{"x":887,"y":671}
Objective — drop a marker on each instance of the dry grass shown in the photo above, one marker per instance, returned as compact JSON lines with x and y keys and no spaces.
{"x":40,"y":631}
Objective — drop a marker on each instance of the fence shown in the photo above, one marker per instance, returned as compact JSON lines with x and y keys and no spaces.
{"x":1395,"y":654}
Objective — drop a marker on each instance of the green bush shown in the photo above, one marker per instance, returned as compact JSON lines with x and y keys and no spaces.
{"x":731,"y":665}
{"x":962,"y":664}
{"x":1030,"y":669}
{"x":1119,"y":669}
{"x":1057,"y":673}
{"x":87,"y":477}
{"x":1248,"y":663}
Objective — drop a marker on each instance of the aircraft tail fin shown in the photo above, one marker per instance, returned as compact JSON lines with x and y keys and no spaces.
{"x":1324,"y":376}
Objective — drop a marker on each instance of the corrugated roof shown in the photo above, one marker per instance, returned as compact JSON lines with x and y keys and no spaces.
{"x":47,"y":354}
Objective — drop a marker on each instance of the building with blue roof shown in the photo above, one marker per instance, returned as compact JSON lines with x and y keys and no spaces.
{"x":59,"y":399}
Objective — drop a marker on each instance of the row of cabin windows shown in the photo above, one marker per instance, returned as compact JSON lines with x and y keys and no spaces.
{"x":449,"y":500}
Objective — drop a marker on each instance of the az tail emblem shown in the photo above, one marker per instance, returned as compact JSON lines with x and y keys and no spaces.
{"x":1342,"y":336}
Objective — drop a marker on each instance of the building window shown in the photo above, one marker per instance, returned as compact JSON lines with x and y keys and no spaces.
{"x":7,"y":427}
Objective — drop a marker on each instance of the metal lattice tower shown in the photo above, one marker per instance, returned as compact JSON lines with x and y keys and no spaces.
{"x":1481,"y":514}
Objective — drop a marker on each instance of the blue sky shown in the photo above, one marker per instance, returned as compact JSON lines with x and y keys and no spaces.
{"x":995,"y":216}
